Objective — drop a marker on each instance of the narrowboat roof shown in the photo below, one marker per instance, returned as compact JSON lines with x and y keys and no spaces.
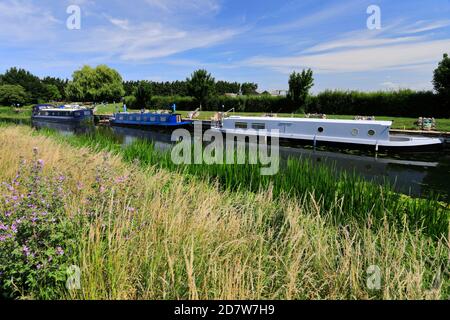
{"x":280,"y":119}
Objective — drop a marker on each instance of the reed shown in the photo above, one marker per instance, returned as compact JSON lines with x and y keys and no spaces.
{"x":344,"y":196}
{"x":159,"y":234}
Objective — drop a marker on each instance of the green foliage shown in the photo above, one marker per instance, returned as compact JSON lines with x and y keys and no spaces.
{"x":201,"y":86}
{"x":52,"y":93}
{"x":402,"y":103}
{"x":249,"y":89}
{"x":223,"y":87}
{"x":99,"y":84}
{"x":130,"y":101}
{"x":299,"y":86}
{"x":36,"y":237}
{"x":143,"y":95}
{"x":441,"y":80}
{"x":12,"y":94}
{"x":59,"y":83}
{"x":31,"y":83}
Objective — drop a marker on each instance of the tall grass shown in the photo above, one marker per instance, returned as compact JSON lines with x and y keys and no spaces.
{"x":188,"y":239}
{"x":345,"y":197}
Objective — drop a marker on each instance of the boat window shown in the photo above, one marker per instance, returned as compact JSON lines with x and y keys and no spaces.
{"x":320,"y":129}
{"x":120,"y":117}
{"x":178,"y":118}
{"x":241,"y":125}
{"x":138,"y":118}
{"x":77,"y":114}
{"x":152,"y":119}
{"x":163,"y":119}
{"x":258,"y":126}
{"x":355,"y":132}
{"x":371,"y":133}
{"x":87,"y":113}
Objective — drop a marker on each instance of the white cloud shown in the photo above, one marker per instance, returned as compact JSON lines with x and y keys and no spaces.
{"x":149,"y":40}
{"x":121,"y":23}
{"x":20,"y":20}
{"x":192,"y":6}
{"x":400,"y":56}
{"x":423,"y":26}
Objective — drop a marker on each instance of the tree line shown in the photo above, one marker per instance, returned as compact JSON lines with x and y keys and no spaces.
{"x":200,"y":89}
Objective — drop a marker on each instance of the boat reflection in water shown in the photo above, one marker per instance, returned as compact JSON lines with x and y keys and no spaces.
{"x":66,"y":129}
{"x":414,"y":174}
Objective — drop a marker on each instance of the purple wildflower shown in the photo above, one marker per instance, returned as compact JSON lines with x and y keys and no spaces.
{"x":59,"y":251}
{"x":26,"y":250}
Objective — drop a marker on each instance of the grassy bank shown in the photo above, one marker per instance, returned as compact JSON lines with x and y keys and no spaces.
{"x":11,"y":113}
{"x":345,"y":197}
{"x":142,"y":232}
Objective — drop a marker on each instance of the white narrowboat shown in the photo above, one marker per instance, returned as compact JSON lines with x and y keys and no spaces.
{"x":350,"y":134}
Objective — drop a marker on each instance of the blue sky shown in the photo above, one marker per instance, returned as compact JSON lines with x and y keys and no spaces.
{"x":236,"y":40}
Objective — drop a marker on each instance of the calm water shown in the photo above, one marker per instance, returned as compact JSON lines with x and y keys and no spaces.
{"x":414,"y":174}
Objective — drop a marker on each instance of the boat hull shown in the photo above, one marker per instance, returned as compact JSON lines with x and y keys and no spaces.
{"x":89,"y":119}
{"x":396,"y":145}
{"x":156,"y":127}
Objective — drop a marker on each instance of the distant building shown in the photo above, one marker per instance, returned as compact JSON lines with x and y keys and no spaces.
{"x":232,"y":95}
{"x":279,"y":93}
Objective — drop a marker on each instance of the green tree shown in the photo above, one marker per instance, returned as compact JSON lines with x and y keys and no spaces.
{"x":31,"y":83}
{"x":299,"y":86}
{"x":52,"y":93}
{"x":59,"y":83}
{"x":143,"y":94}
{"x":201,"y":86}
{"x":99,"y":84}
{"x":249,"y":89}
{"x":12,"y":94}
{"x":441,"y":80}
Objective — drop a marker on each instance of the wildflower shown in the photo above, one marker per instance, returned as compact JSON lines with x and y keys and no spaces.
{"x":40,"y":162}
{"x":131,"y":209}
{"x":102,"y":189}
{"x":59,"y":251}
{"x":80,"y":186}
{"x":3,"y":227}
{"x":26,"y":250}
{"x":38,"y":266}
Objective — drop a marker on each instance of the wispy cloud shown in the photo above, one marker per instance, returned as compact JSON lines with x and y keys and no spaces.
{"x":327,"y":13}
{"x":21,"y":20}
{"x":139,"y":42}
{"x":424,"y":26}
{"x":187,"y":6}
{"x":401,"y":56}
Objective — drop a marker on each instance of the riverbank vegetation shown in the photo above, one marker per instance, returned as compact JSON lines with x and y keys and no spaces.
{"x":138,"y":230}
{"x":202,"y":90}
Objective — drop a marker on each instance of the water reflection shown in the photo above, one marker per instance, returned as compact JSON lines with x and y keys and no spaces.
{"x":414,"y":174}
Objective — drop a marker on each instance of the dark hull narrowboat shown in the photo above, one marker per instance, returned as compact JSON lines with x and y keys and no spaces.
{"x":62,"y":114}
{"x":154,"y":121}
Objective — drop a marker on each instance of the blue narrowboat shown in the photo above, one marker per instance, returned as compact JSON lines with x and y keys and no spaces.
{"x":150,"y":120}
{"x":64,"y":114}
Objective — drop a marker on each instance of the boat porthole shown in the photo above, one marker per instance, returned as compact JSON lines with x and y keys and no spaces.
{"x":320,"y":129}
{"x":371,"y":133}
{"x":355,"y":132}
